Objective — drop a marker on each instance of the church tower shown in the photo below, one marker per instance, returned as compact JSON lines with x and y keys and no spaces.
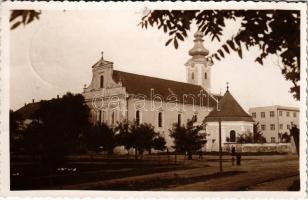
{"x":197,"y":67}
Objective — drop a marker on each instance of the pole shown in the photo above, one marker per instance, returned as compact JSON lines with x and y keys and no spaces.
{"x":220,"y":149}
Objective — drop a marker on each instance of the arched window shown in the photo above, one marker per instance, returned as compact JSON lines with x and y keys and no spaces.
{"x":101,"y":83}
{"x":99,"y":117}
{"x":138,"y":117}
{"x":179,"y":119}
{"x":232,"y":136}
{"x":112,"y":118}
{"x":160,"y":119}
{"x":192,"y":76}
{"x":195,"y":118}
{"x":205,"y":75}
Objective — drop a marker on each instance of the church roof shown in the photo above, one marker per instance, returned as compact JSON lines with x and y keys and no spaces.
{"x":140,"y":84}
{"x":230,"y":110}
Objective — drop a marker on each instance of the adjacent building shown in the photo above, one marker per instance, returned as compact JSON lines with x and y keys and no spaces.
{"x":275,"y":120}
{"x":235,"y":121}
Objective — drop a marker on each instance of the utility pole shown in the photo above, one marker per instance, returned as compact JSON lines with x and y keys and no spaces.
{"x":220,"y":149}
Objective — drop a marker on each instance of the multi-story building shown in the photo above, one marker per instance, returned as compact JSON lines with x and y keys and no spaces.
{"x":275,"y":120}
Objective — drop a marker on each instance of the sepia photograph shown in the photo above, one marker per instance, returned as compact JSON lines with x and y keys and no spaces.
{"x":151,"y":98}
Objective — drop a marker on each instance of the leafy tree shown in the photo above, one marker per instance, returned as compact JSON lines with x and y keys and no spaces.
{"x":59,"y":125}
{"x":187,"y":139}
{"x":101,"y":137}
{"x":159,"y":143}
{"x":257,"y":134}
{"x":144,"y":134}
{"x":15,"y":132}
{"x":274,"y":32}
{"x":124,"y":137}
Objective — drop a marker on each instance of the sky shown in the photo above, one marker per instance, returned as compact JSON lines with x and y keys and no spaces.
{"x":54,"y":55}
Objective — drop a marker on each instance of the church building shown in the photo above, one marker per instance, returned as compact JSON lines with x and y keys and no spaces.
{"x":114,"y":96}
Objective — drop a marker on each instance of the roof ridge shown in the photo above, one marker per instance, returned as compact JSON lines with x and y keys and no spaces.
{"x":159,"y":78}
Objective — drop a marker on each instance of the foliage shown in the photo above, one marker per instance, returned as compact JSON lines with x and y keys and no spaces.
{"x":124,"y":136}
{"x":144,"y":134}
{"x":15,"y":131}
{"x":159,"y":143}
{"x":101,"y":137}
{"x":23,"y":17}
{"x":284,"y":137}
{"x":138,"y":136}
{"x":57,"y":127}
{"x":257,"y":134}
{"x":259,"y":28}
{"x":187,"y":138}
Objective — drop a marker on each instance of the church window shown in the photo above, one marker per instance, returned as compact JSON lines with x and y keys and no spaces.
{"x":99,"y":117}
{"x":160,"y":119}
{"x":179,"y":119}
{"x":112,"y":118}
{"x":232,"y":136}
{"x":192,"y":76}
{"x":205,"y":75}
{"x":195,"y":118}
{"x":101,"y":82}
{"x":138,"y":117}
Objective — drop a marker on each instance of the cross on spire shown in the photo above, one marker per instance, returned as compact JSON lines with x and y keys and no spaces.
{"x":227,"y":86}
{"x":102,"y":55}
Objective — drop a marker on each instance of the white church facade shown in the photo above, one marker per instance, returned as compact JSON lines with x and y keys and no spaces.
{"x":114,"y":96}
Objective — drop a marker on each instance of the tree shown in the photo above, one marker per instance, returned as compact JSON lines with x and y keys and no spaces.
{"x":144,"y":134}
{"x":15,"y":132}
{"x":101,"y":137}
{"x":259,"y":28}
{"x":124,"y":137}
{"x":257,"y":134}
{"x":58,"y":127}
{"x":159,"y":143}
{"x":187,"y":139}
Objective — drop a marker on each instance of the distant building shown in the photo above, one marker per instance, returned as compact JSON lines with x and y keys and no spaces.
{"x":275,"y":120}
{"x":235,"y":121}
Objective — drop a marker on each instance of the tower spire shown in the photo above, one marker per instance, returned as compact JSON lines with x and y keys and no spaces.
{"x":198,"y":49}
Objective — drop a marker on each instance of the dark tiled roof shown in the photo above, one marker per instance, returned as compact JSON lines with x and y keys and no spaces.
{"x":140,"y":84}
{"x":230,"y":110}
{"x":27,"y":111}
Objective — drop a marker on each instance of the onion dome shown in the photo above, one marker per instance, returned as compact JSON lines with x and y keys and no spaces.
{"x":198,"y":49}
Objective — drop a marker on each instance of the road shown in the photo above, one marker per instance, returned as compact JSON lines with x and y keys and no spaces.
{"x":256,"y":173}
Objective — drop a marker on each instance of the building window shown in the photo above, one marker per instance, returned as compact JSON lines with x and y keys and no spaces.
{"x":101,"y":83}
{"x":232,"y":136}
{"x":138,"y":117}
{"x":262,"y":114}
{"x":112,"y":118}
{"x":280,"y":126}
{"x":280,"y":113}
{"x":273,"y":139}
{"x":254,"y":115}
{"x":272,"y":127}
{"x":179,"y":119}
{"x":263,"y":127}
{"x":99,"y":117}
{"x":195,"y":118}
{"x":205,"y":75}
{"x":294,"y":114}
{"x":288,"y":126}
{"x":160,"y":119}
{"x":272,"y":114}
{"x":192,"y":76}
{"x":288,"y":114}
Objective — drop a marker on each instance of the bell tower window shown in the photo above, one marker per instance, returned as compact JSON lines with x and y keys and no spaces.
{"x":192,"y":76}
{"x":205,"y":75}
{"x":101,"y":83}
